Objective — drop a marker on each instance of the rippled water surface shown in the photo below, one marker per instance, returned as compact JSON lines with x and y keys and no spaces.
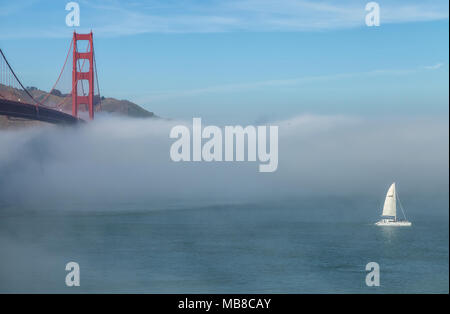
{"x":245,"y":249}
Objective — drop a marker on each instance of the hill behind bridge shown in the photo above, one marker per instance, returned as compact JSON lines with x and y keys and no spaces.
{"x":104,"y":104}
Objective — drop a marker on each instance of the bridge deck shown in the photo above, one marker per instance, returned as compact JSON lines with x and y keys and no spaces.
{"x":29,"y":111}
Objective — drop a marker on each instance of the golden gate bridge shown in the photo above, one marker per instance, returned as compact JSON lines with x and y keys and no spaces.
{"x":18,"y":101}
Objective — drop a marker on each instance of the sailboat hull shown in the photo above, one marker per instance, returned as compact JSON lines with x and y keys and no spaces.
{"x":390,"y":223}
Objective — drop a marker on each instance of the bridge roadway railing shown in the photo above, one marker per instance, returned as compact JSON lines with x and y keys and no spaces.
{"x":28,"y":111}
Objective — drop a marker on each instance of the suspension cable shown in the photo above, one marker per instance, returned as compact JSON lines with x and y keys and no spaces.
{"x":96,"y":78}
{"x":59,"y":105}
{"x":65,"y":62}
{"x":12,"y":71}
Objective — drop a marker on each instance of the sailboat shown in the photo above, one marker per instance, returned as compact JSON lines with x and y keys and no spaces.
{"x":389,"y":215}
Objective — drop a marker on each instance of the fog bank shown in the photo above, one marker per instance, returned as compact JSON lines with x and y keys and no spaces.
{"x":118,"y":160}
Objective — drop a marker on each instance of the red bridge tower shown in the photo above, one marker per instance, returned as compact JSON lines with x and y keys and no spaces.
{"x":88,"y":76}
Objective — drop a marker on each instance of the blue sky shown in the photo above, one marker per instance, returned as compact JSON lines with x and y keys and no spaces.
{"x":251,"y":60}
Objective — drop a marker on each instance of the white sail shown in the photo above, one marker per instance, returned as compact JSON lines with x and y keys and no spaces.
{"x":390,"y":208}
